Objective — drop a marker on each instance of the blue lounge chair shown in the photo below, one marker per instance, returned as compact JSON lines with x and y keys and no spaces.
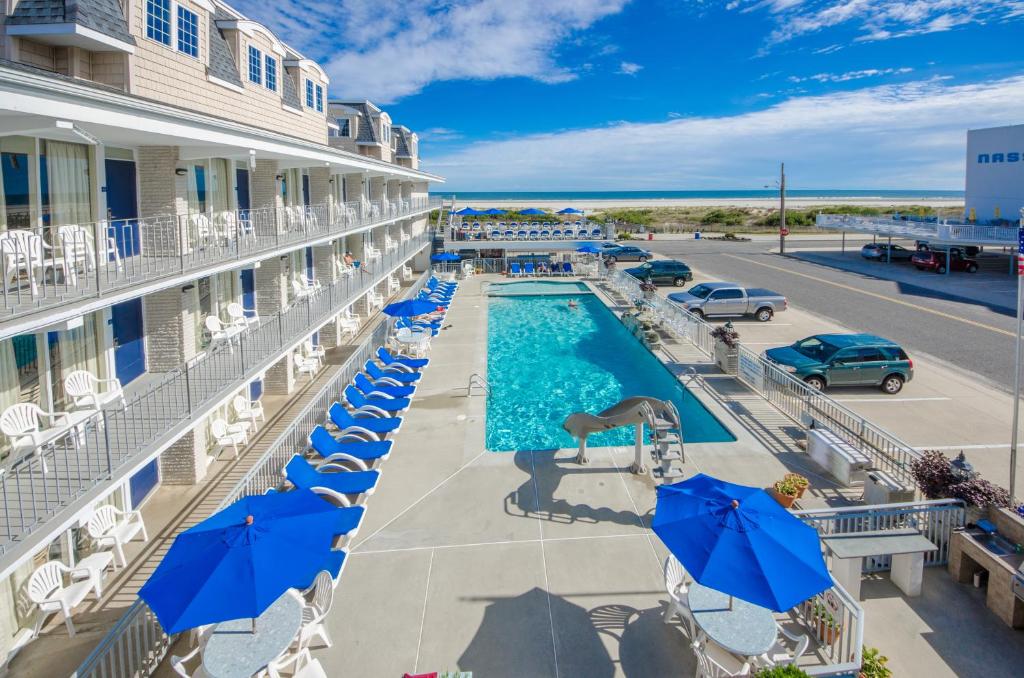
{"x":371,"y":426}
{"x":521,"y":234}
{"x":495,"y":235}
{"x":545,"y":234}
{"x":357,"y":400}
{"x":334,"y":477}
{"x":529,"y":269}
{"x":371,"y":390}
{"x":514,"y":270}
{"x":509,"y":234}
{"x":359,"y":452}
{"x":596,"y":233}
{"x":567,"y":268}
{"x":417,"y":327}
{"x":377,"y":372}
{"x":388,"y":359}
{"x":582,"y":234}
{"x":556,"y":234}
{"x":534,"y":234}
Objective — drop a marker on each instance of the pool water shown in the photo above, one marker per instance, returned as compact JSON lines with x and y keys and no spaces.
{"x":537,"y":287}
{"x":546,"y":361}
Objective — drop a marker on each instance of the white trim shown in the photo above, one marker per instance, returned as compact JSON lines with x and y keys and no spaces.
{"x":250,"y":28}
{"x":205,"y":4}
{"x":308,"y":64}
{"x":292,"y":109}
{"x":70,"y":29}
{"x":224,"y":83}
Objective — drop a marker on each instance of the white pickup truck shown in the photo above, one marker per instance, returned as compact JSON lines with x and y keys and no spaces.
{"x":726,"y":299}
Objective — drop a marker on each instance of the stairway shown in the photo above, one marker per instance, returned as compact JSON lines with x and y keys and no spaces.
{"x":666,"y":437}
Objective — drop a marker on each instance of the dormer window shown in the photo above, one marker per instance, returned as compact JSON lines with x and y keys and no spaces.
{"x":182,"y":34}
{"x":271,"y":69}
{"x":158,"y":21}
{"x":385,"y":133}
{"x":188,"y":32}
{"x":344,"y":127}
{"x":255,"y":66}
{"x":309,"y":93}
{"x":319,"y":99}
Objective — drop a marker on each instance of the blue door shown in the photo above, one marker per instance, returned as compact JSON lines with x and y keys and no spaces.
{"x":305,"y":190}
{"x":123,"y":206}
{"x":242,"y":188}
{"x":248,"y":288}
{"x":255,"y":389}
{"x":129,"y":347}
{"x":143,"y":482}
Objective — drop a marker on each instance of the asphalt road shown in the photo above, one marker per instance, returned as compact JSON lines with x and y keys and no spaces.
{"x":965,"y":334}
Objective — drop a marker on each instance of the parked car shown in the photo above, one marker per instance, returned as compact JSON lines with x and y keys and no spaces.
{"x":625,"y":253}
{"x":663,"y":272}
{"x":879,"y":251}
{"x":966,"y":250}
{"x":930,"y":260}
{"x":827,"y":360}
{"x":723,"y":299}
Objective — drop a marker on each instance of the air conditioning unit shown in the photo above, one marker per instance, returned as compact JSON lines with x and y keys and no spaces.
{"x":881,"y":488}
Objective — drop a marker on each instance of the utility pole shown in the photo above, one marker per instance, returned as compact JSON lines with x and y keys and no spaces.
{"x":1016,"y":359}
{"x":782,"y":209}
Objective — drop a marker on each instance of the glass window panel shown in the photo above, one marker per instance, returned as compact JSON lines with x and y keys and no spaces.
{"x":255,"y":65}
{"x":15,"y":191}
{"x":271,"y":64}
{"x":188,"y":32}
{"x":65,"y":184}
{"x":158,"y":20}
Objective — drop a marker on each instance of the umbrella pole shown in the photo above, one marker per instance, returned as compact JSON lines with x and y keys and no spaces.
{"x":254,"y":624}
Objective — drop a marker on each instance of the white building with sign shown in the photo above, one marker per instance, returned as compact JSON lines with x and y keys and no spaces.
{"x":995,"y":173}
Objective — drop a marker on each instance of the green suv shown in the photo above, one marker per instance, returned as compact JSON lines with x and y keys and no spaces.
{"x":827,"y":360}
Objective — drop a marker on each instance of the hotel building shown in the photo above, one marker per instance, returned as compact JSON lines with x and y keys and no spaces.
{"x":178,"y":200}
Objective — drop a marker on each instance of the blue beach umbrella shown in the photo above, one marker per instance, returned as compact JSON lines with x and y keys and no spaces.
{"x":532,"y":211}
{"x":495,"y":211}
{"x":469,"y":212}
{"x":446,"y":256}
{"x":740,"y":541}
{"x":570,"y":210}
{"x":237,"y":562}
{"x":409,"y":308}
{"x":589,"y":249}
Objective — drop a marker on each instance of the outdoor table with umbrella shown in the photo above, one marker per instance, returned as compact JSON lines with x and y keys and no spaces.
{"x":748,"y":555}
{"x":445,"y":258}
{"x":238,"y":564}
{"x":415,"y":338}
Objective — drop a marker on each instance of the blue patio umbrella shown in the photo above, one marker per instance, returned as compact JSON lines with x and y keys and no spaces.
{"x":237,"y":562}
{"x":409,"y":308}
{"x":740,"y":541}
{"x":446,"y":256}
{"x":532,"y":211}
{"x":570,"y":210}
{"x":469,"y":212}
{"x":494,"y":211}
{"x":589,"y":249}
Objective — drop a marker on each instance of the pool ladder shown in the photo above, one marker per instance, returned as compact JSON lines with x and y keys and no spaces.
{"x":479,"y":382}
{"x":667,"y":440}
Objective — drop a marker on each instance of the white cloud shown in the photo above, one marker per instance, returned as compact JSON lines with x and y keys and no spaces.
{"x":877,"y":19}
{"x":851,"y":75}
{"x":629,"y":68}
{"x":893,"y":136}
{"x":440,"y":134}
{"x":388,"y":49}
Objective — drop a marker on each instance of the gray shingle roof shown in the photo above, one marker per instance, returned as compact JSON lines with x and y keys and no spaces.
{"x":103,"y":16}
{"x":402,"y":143}
{"x":290,"y":94}
{"x":367,"y":130}
{"x":222,"y":64}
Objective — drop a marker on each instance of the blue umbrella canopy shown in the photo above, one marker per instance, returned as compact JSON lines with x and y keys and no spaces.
{"x":589,"y":249}
{"x":532,"y":211}
{"x":740,"y":541}
{"x":410,"y":307}
{"x":570,"y":210}
{"x":494,"y":210}
{"x":469,"y":212}
{"x":237,"y":562}
{"x":446,"y":256}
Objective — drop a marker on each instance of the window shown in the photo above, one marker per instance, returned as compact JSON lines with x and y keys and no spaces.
{"x":343,"y":127}
{"x":309,"y":94}
{"x":319,"y":99}
{"x":385,"y":132}
{"x":271,"y":64}
{"x":722,"y":295}
{"x":158,"y":20}
{"x":255,"y":65}
{"x":188,"y":32}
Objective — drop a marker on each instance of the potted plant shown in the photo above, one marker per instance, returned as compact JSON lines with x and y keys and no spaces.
{"x":727,"y":347}
{"x":785,"y":492}
{"x":648,"y":288}
{"x":801,"y":483}
{"x":873,"y":664}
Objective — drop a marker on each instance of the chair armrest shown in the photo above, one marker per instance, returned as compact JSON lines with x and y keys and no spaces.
{"x":792,"y":635}
{"x":357,"y":431}
{"x":374,"y":411}
{"x":388,"y":381}
{"x":341,"y":456}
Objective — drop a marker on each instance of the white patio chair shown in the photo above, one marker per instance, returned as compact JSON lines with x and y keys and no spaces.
{"x":304,"y":365}
{"x":248,"y":410}
{"x":298,"y":665}
{"x":374,"y":299}
{"x":306,"y":281}
{"x":407,"y":273}
{"x":344,"y":270}
{"x":110,"y":527}
{"x":24,"y":251}
{"x":317,"y":599}
{"x":47,"y":590}
{"x":316,"y":351}
{"x":225,"y":436}
{"x":301,"y":291}
{"x":779,"y":655}
{"x":404,"y":237}
{"x":389,"y":244}
{"x":713,"y":661}
{"x":219,"y":331}
{"x":85,"y":390}
{"x":179,"y":663}
{"x":371,"y":253}
{"x":21,"y":424}
{"x":678,"y":601}
{"x":393,"y":284}
{"x":240,"y":317}
{"x":348,"y":316}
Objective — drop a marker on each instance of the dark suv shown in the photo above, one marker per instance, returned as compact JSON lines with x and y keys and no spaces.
{"x":663,"y":272}
{"x":845,"y":360}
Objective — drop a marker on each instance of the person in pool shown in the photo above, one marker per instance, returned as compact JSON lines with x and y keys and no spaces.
{"x":572,"y":305}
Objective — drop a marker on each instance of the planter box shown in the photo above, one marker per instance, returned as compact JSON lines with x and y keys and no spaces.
{"x":784,"y":499}
{"x":726,"y":358}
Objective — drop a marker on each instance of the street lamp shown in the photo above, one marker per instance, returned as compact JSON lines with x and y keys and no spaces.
{"x":781,"y":185}
{"x":1016,"y":358}
{"x":961,"y":468}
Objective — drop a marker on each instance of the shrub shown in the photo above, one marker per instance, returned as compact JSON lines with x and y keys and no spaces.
{"x":933,"y":474}
{"x":724,"y":217}
{"x":980,"y":492}
{"x":786,"y":671}
{"x":726,"y":334}
{"x":872,"y":664}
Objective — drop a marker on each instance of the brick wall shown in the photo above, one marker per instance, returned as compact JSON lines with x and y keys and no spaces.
{"x":169,"y":317}
{"x":319,"y":185}
{"x":184,"y":462}
{"x":272,"y":280}
{"x":353,"y":187}
{"x":280,"y":379}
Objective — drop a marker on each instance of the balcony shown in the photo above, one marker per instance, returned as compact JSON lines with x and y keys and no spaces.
{"x":62,"y":476}
{"x":46,"y":270}
{"x":930,"y":230}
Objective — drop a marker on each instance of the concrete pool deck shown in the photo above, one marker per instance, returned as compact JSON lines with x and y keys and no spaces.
{"x":527,"y":564}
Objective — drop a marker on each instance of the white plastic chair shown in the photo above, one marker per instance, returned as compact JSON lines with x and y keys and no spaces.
{"x":371,"y":253}
{"x":316,"y":351}
{"x":393,"y":284}
{"x":226,"y":437}
{"x":306,"y":365}
{"x":178,"y":663}
{"x":85,"y":390}
{"x":248,"y":410}
{"x":302,"y":665}
{"x":407,"y":273}
{"x":301,"y":291}
{"x":678,"y":601}
{"x":713,"y":661}
{"x":240,"y":317}
{"x":318,"y":599}
{"x":25,"y":251}
{"x":219,"y":331}
{"x":374,"y":299}
{"x":389,"y":244}
{"x":779,"y":655}
{"x":47,"y":590}
{"x":111,"y":527}
{"x":21,"y":423}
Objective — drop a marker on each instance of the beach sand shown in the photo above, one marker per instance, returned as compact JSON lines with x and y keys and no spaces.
{"x":764,"y":203}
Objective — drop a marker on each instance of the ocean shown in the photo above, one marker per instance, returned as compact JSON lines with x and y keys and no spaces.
{"x":825,"y":194}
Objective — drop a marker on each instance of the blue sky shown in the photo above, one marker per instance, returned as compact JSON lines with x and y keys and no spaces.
{"x":674,"y":94}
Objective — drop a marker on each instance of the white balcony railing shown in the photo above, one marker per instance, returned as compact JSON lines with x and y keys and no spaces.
{"x":977,"y":234}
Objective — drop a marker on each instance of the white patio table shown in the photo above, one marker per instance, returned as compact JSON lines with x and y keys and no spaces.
{"x":235,"y":650}
{"x":745,"y":629}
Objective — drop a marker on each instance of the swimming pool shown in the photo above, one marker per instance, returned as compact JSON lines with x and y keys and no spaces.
{"x":538,"y":287}
{"x":546,"y":361}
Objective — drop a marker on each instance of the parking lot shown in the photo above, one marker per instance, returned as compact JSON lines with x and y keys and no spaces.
{"x":949,"y":405}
